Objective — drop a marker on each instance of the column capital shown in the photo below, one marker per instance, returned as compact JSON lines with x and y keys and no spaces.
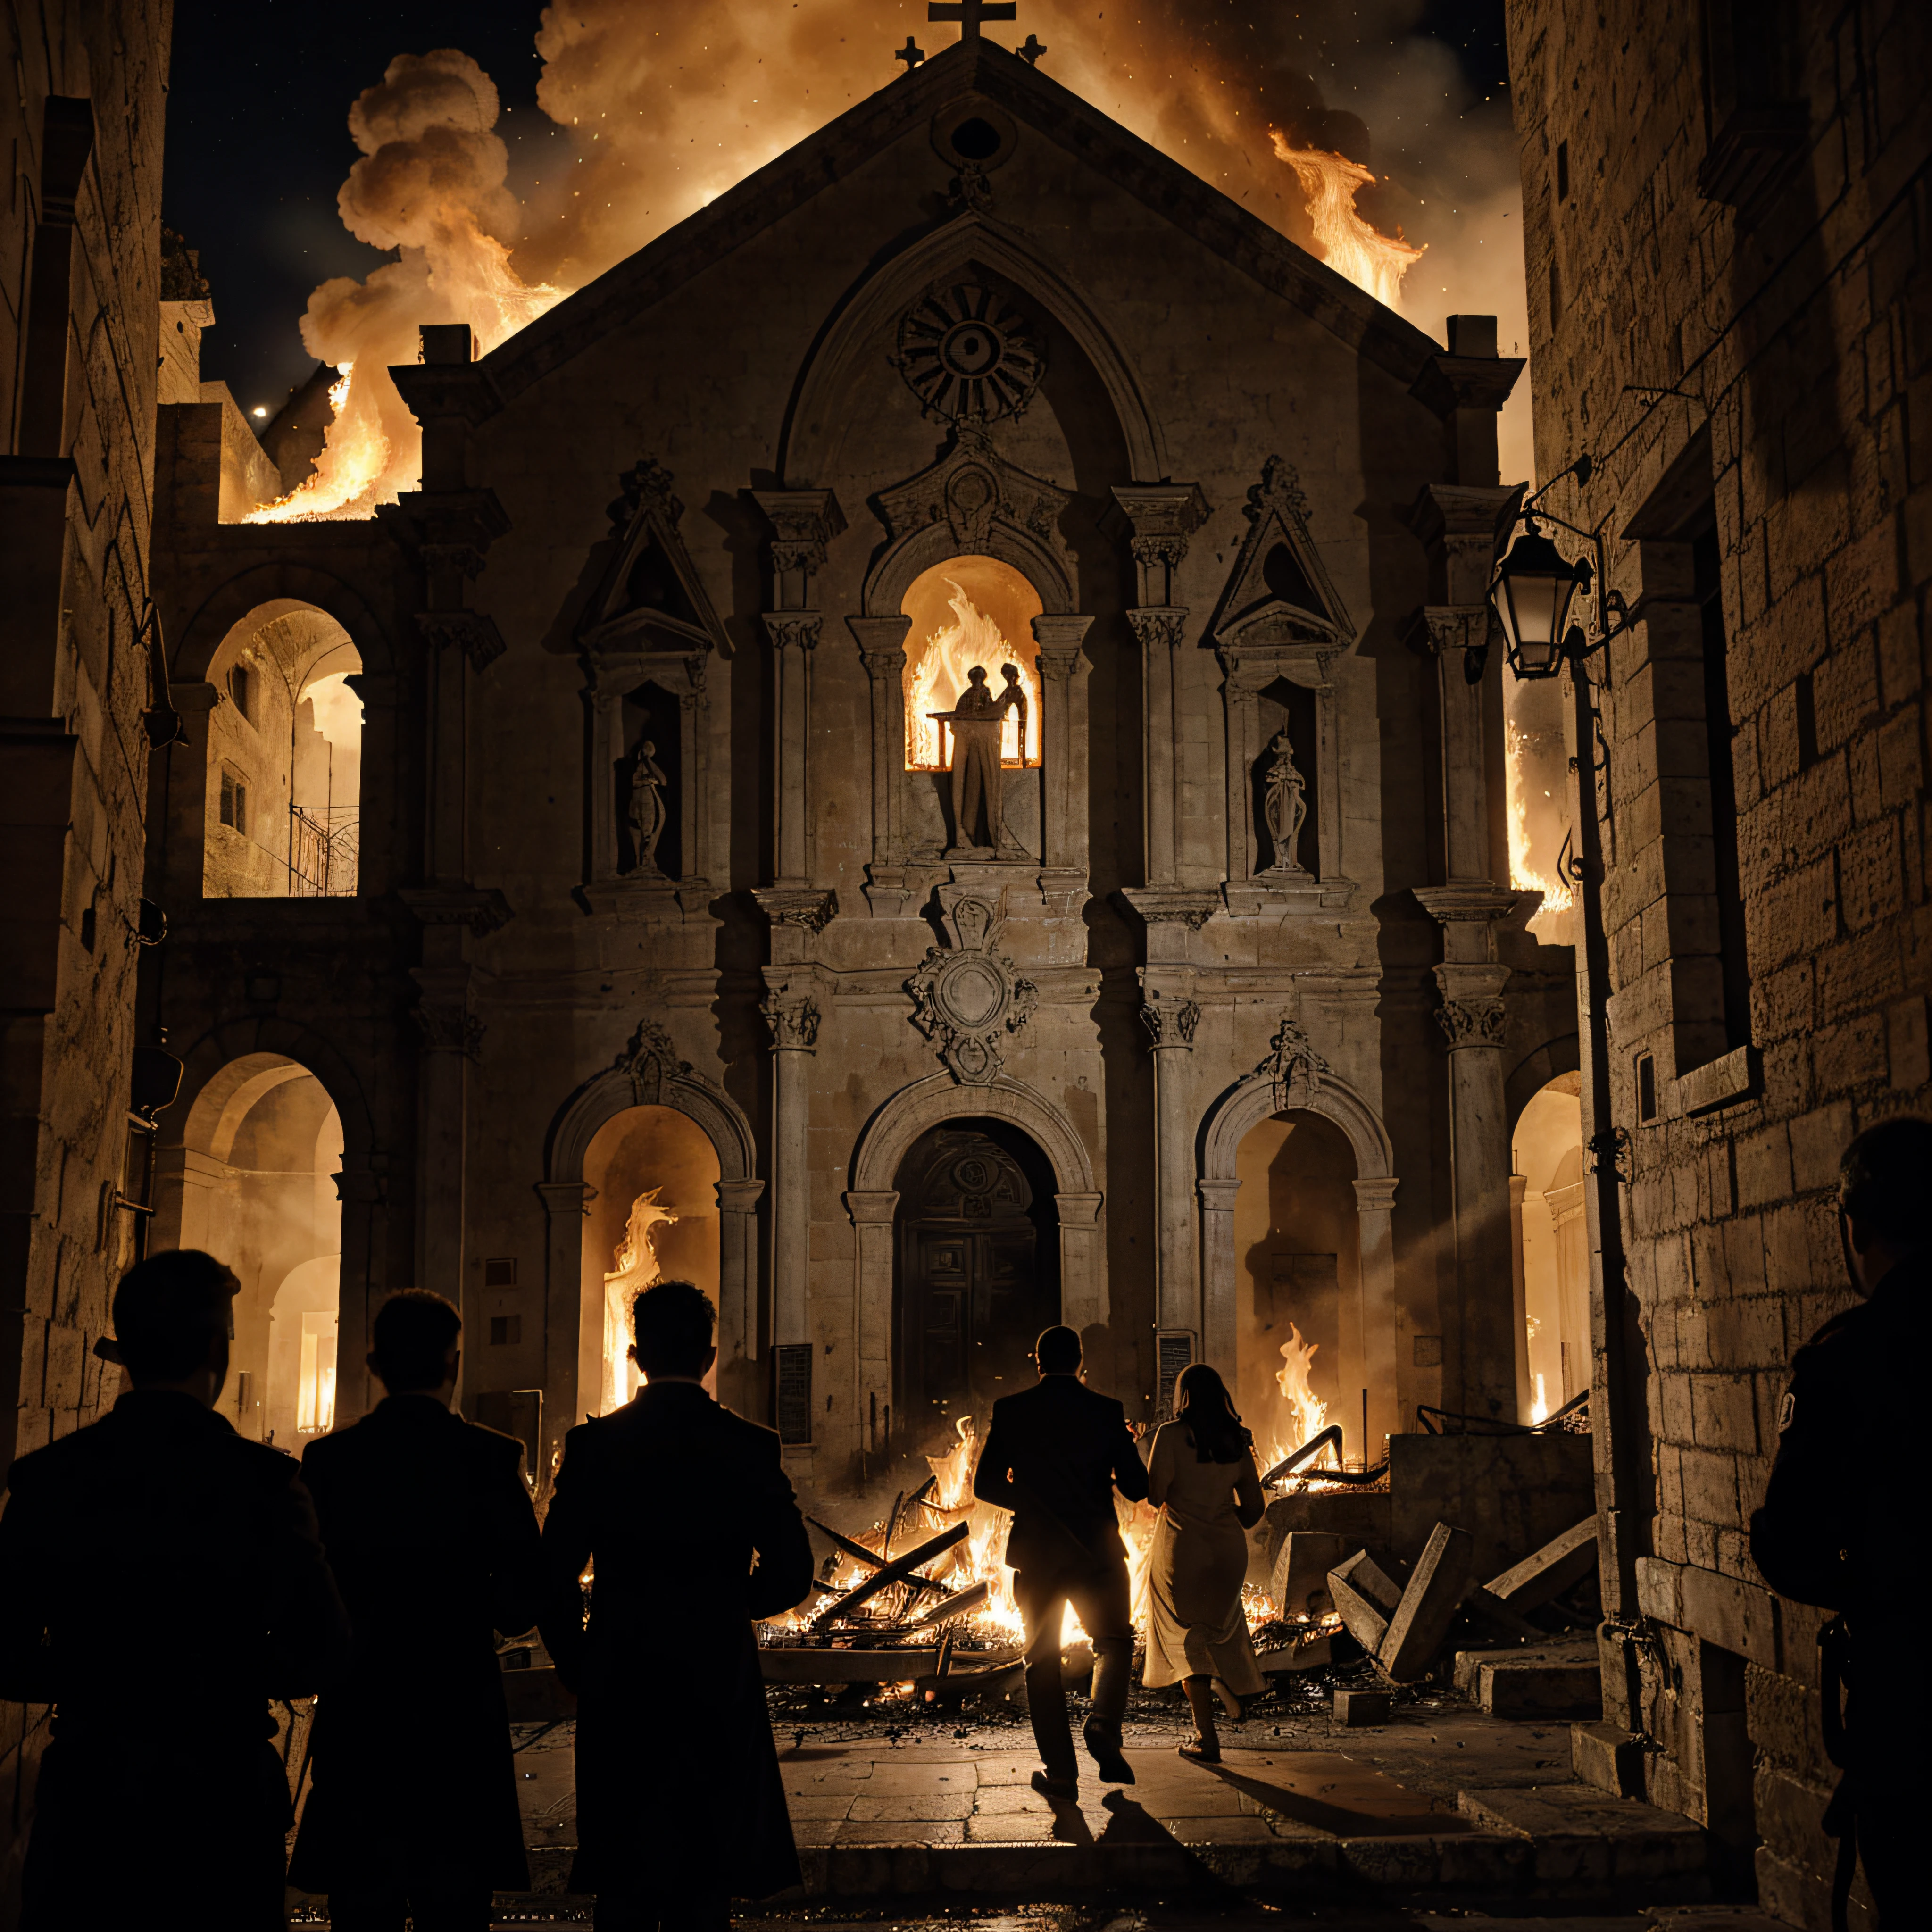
{"x":793,"y":630}
{"x":1157,"y":625}
{"x":563,"y":1198}
{"x":803,"y":524}
{"x":871,"y":1206}
{"x":794,"y":1019}
{"x":1218,"y":1196}
{"x":1376,"y":1196}
{"x":1170,"y":1022}
{"x":880,"y":638}
{"x":739,"y":1197}
{"x":1472,"y":1013}
{"x":1157,"y":519}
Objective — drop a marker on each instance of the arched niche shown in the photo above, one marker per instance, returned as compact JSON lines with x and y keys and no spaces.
{"x":1549,"y":1246}
{"x":873,"y":1199}
{"x":648,"y":1073}
{"x":816,"y":420}
{"x":1241,"y":1109}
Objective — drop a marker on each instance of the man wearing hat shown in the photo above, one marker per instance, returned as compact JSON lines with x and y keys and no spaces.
{"x":161,"y":1579}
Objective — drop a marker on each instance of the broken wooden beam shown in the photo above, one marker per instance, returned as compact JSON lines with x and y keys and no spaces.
{"x":1420,"y":1622}
{"x":872,"y":1560}
{"x":961,"y":1604}
{"x":1565,"y":1560}
{"x":898,"y":1571}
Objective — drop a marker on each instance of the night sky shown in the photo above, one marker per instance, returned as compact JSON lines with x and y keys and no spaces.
{"x":257,"y":144}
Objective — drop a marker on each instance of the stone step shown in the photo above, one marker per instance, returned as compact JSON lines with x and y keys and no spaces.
{"x":1541,"y":1682}
{"x":1581,"y":1838}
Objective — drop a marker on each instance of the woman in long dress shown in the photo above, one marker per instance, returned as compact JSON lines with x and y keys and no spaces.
{"x":1202,"y":1478}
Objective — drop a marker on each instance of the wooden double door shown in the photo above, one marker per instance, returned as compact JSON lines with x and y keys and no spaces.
{"x":972,"y":1294}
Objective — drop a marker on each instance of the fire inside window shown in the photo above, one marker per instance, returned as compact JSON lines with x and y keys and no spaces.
{"x":315,"y":1386}
{"x":972,"y":611}
{"x":234,"y":799}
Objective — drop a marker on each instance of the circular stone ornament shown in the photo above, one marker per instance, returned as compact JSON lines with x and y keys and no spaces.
{"x":968,"y":356}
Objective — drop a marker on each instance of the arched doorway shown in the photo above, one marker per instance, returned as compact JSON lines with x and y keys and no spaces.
{"x":1299,"y":1362}
{"x":977,"y":1276}
{"x":1551,"y":1246}
{"x":281,"y":810}
{"x":651,"y":1214}
{"x":253,"y":1184}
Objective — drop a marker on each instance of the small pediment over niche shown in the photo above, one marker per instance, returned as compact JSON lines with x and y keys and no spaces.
{"x":973,"y":490}
{"x":650,"y":597}
{"x":1280,"y":596}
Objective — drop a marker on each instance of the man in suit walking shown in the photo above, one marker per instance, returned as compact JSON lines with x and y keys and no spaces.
{"x":685,"y":1512}
{"x":433,"y":1540}
{"x":1054,"y":1455}
{"x":161,"y":1579}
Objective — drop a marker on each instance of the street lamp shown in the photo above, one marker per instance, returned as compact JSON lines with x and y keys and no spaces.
{"x":1533,"y":587}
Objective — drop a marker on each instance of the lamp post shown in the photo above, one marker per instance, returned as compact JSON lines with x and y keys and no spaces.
{"x":1532,"y":594}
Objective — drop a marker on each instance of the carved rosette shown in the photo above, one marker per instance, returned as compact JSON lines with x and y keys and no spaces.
{"x":967,"y":355}
{"x":1472,"y":1022}
{"x":794,"y":1022}
{"x":971,"y":998}
{"x":1293,"y":1068}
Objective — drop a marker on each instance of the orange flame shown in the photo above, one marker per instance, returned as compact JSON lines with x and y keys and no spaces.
{"x":1557,"y":897}
{"x":1374,"y":261}
{"x":940,"y":675}
{"x":1307,"y":1413}
{"x":637,"y":1267}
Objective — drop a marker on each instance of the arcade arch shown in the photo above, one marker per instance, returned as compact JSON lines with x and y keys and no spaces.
{"x":1550,"y":1247}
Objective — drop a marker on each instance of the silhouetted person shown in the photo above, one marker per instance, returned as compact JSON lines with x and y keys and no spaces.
{"x":1839,"y":1526}
{"x":432,"y":1537}
{"x":1054,"y":1455}
{"x":161,"y":1579}
{"x":679,"y":1805}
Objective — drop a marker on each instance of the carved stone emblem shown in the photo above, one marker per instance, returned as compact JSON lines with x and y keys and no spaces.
{"x":967,"y":356}
{"x":969,"y":998}
{"x":1293,"y":1065}
{"x":649,"y":1059}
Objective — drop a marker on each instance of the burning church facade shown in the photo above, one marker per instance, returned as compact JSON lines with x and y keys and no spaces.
{"x":916,"y":764}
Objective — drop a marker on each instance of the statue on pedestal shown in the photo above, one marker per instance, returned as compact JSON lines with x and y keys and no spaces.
{"x":645,"y":813}
{"x":978,"y":721}
{"x":1284,"y":807}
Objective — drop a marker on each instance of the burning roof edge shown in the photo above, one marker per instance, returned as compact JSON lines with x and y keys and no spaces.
{"x":786,"y":184}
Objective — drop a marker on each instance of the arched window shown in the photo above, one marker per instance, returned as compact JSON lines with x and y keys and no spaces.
{"x":1551,"y":1245}
{"x":972,"y":611}
{"x":284,"y":754}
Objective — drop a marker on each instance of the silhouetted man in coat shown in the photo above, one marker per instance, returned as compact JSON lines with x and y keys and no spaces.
{"x":1054,"y":1455}
{"x":432,"y":1538}
{"x":1839,"y":1527}
{"x":161,"y":1579}
{"x":685,"y":1511}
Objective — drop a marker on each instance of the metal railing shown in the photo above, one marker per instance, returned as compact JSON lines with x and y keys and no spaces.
{"x":323,"y":847}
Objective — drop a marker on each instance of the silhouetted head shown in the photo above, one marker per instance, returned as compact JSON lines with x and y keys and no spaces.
{"x":674,"y":1322}
{"x":1058,"y":1352}
{"x":1011,"y":673}
{"x":174,"y":1316}
{"x":977,"y":675}
{"x":415,"y":1336}
{"x":1883,"y":1179}
{"x":1203,"y":1405}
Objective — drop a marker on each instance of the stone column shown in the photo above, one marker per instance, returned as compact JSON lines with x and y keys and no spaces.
{"x":565,"y":1204}
{"x":739,"y":1354}
{"x":1171,"y":1024}
{"x":1220,"y":1271}
{"x":1526,"y":1389}
{"x":1063,"y":669}
{"x":362,"y":1281}
{"x":874,"y":1230}
{"x":792,"y":1017}
{"x":882,"y":650}
{"x":1374,"y":1211}
{"x":1083,"y":1276}
{"x":803,"y":523}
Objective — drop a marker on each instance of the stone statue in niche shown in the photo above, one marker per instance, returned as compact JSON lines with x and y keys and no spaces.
{"x":645,"y":813}
{"x":1284,"y":807}
{"x":978,"y":720}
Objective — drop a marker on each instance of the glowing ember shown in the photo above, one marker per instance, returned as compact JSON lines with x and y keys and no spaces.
{"x":636,"y":1268}
{"x":1374,"y":261}
{"x":940,"y":676}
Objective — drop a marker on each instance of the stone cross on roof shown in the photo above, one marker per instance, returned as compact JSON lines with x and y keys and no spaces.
{"x":969,"y":13}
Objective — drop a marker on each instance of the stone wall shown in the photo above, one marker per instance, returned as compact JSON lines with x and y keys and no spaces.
{"x":1729,"y":300}
{"x":80,"y":274}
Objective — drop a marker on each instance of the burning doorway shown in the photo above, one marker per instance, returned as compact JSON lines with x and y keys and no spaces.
{"x":651,"y":1214}
{"x":978,"y":1275}
{"x":1299,"y":1358}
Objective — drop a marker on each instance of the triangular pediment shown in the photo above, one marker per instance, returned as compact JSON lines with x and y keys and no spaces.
{"x":1280,"y":595}
{"x":905,"y":109}
{"x":650,"y":597}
